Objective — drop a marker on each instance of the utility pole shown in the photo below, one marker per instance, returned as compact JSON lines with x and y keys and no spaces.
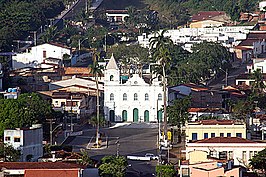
{"x":105,"y":44}
{"x":71,"y":125}
{"x":51,"y":131}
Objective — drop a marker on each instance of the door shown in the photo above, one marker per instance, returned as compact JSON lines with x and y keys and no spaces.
{"x":135,"y":115}
{"x":112,"y":115}
{"x":146,"y":116}
{"x":160,"y":115}
{"x":124,"y":115}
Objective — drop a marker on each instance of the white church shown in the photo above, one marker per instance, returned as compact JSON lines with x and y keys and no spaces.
{"x":133,"y":99}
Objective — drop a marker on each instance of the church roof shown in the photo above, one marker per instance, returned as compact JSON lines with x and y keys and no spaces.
{"x":112,"y":63}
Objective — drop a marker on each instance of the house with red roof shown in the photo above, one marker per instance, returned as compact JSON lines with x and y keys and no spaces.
{"x":238,"y":149}
{"x":41,"y":169}
{"x":205,"y":19}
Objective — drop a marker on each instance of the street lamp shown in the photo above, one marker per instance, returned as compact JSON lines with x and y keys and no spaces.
{"x":52,"y":130}
{"x":80,"y":42}
{"x":226,"y":75}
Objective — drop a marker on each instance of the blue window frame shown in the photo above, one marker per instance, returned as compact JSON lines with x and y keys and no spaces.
{"x":239,"y":135}
{"x":194,"y":136}
{"x":205,"y":135}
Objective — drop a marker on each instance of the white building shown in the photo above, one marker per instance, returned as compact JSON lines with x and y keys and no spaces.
{"x":40,"y":54}
{"x":262,"y":5}
{"x":133,"y":99}
{"x":27,"y":140}
{"x":238,"y":149}
{"x":227,"y":36}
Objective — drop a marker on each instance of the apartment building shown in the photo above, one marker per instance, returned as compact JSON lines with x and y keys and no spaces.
{"x":214,"y":128}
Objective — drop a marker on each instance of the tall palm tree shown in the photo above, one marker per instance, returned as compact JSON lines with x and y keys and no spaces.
{"x":96,"y":70}
{"x":160,"y":46}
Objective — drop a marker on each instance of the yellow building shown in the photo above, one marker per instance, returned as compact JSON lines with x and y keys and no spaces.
{"x":206,"y":24}
{"x":215,"y":128}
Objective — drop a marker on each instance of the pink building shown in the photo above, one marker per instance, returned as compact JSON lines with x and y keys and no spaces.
{"x":209,"y":169}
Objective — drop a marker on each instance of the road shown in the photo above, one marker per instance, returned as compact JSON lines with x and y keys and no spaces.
{"x":232,"y":74}
{"x":134,"y":139}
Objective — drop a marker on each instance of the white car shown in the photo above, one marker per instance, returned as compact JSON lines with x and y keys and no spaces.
{"x":152,"y":156}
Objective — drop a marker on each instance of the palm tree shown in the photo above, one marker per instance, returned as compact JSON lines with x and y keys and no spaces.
{"x":258,"y":85}
{"x":96,"y":70}
{"x":160,"y":46}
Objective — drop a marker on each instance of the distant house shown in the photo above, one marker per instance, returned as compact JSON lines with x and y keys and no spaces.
{"x":210,"y":168}
{"x":27,"y":140}
{"x":41,"y":169}
{"x":209,"y":19}
{"x":206,"y":24}
{"x":214,"y":128}
{"x":44,"y":55}
{"x":74,"y":102}
{"x":116,"y":16}
{"x":201,"y":96}
{"x":238,"y":149}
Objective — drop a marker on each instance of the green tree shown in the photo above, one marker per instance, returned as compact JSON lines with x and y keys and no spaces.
{"x":24,"y":111}
{"x":130,"y":55}
{"x":9,"y":153}
{"x":113,"y":166}
{"x":258,"y":161}
{"x":165,"y":171}
{"x":161,"y":46}
{"x":258,"y":85}
{"x":96,"y":70}
{"x":85,"y":158}
{"x":177,"y":112}
{"x":50,"y":34}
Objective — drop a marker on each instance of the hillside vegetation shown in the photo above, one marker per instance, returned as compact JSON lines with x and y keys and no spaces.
{"x":181,"y":7}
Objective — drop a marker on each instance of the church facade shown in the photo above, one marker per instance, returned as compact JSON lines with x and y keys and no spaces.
{"x":131,"y":98}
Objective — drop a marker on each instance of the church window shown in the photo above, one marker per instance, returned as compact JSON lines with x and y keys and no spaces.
{"x":135,"y":97}
{"x":146,"y":96}
{"x":111,"y":78}
{"x":111,"y":97}
{"x":160,"y":96}
{"x":124,"y":97}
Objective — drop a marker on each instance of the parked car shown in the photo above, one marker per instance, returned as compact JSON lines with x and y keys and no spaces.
{"x":152,"y":156}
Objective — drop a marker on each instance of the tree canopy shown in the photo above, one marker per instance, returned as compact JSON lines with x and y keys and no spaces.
{"x":114,"y":166}
{"x":8,"y":153}
{"x":259,"y":161}
{"x":24,"y":111}
{"x":19,"y":17}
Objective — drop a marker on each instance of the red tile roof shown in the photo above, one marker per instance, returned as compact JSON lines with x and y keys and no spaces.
{"x":225,"y":140}
{"x":195,"y":87}
{"x":242,"y":48}
{"x":248,"y":42}
{"x":39,"y":165}
{"x":52,"y":173}
{"x":215,"y":122}
{"x":257,"y":35}
{"x":77,"y":71}
{"x":205,"y":15}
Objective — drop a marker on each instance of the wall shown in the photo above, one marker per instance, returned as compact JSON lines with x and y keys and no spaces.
{"x":33,"y":144}
{"x":237,"y":149}
{"x":205,"y":24}
{"x":35,"y":56}
{"x":217,"y":129}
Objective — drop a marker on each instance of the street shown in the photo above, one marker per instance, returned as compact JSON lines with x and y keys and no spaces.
{"x":134,"y":139}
